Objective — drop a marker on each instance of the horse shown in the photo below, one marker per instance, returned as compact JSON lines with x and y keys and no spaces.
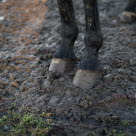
{"x":64,"y":59}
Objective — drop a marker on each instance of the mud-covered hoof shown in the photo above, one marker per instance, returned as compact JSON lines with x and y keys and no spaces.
{"x":86,"y":79}
{"x":61,"y":65}
{"x":128,"y":17}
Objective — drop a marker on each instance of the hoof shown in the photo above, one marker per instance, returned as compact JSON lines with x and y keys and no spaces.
{"x":86,"y":79}
{"x":128,"y":17}
{"x":61,"y":65}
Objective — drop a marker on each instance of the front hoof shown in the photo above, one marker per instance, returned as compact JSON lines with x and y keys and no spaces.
{"x":128,"y":17}
{"x":86,"y":79}
{"x":61,"y":65}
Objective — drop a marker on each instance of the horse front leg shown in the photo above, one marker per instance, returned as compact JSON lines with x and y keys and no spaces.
{"x":129,"y":13}
{"x":88,"y":71}
{"x":64,"y":57}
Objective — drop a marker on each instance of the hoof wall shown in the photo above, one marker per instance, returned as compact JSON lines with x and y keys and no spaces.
{"x":86,"y":79}
{"x":128,"y":17}
{"x":61,"y":66}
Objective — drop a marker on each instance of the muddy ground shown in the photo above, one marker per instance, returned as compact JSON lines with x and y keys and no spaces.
{"x":29,"y":35}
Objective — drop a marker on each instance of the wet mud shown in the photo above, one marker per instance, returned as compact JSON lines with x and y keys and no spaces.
{"x":29,"y":35}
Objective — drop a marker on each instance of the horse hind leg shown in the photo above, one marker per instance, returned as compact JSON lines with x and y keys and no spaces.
{"x":129,"y":13}
{"x":64,"y":58}
{"x":88,"y":70}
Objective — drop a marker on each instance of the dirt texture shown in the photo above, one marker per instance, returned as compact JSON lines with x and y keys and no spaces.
{"x":29,"y":35}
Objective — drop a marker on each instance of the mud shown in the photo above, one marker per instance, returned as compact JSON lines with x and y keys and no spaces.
{"x":27,"y":43}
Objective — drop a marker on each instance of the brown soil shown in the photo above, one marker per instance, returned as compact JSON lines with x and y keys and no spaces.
{"x":29,"y":37}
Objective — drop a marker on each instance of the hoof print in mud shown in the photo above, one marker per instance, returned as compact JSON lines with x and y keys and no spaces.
{"x":86,"y":79}
{"x":61,"y":66}
{"x":128,"y":17}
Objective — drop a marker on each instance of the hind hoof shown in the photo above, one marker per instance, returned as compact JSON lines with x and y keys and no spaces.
{"x":86,"y":79}
{"x":61,"y":65}
{"x":128,"y":17}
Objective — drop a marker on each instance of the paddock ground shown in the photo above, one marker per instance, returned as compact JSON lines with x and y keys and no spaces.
{"x":29,"y":35}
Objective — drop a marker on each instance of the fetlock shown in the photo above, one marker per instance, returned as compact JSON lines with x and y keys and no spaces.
{"x":93,"y":42}
{"x":69,"y":33}
{"x":90,"y":60}
{"x":65,"y":52}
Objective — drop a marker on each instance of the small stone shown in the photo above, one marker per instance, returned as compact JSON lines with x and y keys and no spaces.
{"x":18,"y":81}
{"x":6,"y":128}
{"x":15,"y":84}
{"x":106,"y":69}
{"x":114,"y":22}
{"x":17,"y":67}
{"x":121,"y":70}
{"x":23,"y":88}
{"x":54,"y":100}
{"x":84,"y":104}
{"x":11,"y":77}
{"x":62,"y":79}
{"x":108,"y":78}
{"x":58,"y":111}
{"x":3,"y":82}
{"x":132,"y":44}
{"x":47,"y":83}
{"x":133,"y":129}
{"x":49,"y":114}
{"x":2,"y":18}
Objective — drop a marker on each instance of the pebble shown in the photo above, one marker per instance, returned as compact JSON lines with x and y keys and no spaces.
{"x":47,"y":83}
{"x":54,"y":100}
{"x":2,"y":18}
{"x":23,"y":88}
{"x":58,"y":111}
{"x":84,"y":104}
{"x":114,"y":22}
{"x":3,"y":82}
{"x":133,"y":129}
{"x":15,"y":84}
{"x":6,"y":128}
{"x":108,"y":78}
{"x":12,"y":77}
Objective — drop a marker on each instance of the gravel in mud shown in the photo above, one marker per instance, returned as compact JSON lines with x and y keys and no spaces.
{"x":29,"y":35}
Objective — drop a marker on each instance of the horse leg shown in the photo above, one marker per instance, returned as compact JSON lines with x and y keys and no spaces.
{"x":88,"y":71}
{"x":129,"y":13}
{"x":64,"y":57}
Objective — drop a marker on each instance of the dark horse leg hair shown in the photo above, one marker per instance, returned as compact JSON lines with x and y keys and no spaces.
{"x":131,"y":6}
{"x":93,"y":36}
{"x":69,"y":30}
{"x":88,"y":71}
